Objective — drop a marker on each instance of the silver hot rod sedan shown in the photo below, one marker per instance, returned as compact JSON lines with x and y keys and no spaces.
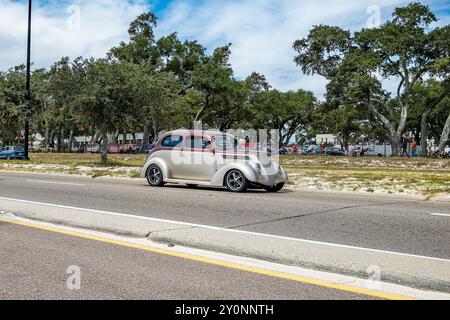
{"x":214,"y":159}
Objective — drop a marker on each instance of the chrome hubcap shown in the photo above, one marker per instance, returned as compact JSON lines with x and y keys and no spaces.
{"x":235,"y":180}
{"x":154,"y":175}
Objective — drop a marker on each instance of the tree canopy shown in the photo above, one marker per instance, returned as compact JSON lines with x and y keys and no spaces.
{"x":149,"y":84}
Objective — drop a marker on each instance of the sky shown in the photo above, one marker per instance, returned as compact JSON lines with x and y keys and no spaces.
{"x":261,"y":31}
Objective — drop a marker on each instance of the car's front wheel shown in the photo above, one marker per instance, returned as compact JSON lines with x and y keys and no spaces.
{"x":235,"y":181}
{"x":155,"y":176}
{"x":275,"y":188}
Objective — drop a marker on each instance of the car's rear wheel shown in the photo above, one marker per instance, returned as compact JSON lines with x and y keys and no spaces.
{"x":155,"y":176}
{"x":275,"y":188}
{"x":235,"y":181}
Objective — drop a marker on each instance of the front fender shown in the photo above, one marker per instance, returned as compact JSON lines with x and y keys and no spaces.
{"x":160,"y":163}
{"x":246,"y":169}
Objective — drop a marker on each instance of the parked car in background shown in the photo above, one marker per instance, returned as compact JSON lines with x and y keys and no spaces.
{"x":211,"y":158}
{"x":283,"y":151}
{"x":130,"y":148}
{"x":114,"y":148}
{"x":309,"y":150}
{"x":334,"y":151}
{"x":76,"y":149}
{"x":12,"y":153}
{"x":372,"y":153}
{"x":148,"y":148}
{"x":94,"y":148}
{"x":361,"y":151}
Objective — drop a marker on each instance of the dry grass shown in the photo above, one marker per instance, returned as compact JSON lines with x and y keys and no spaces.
{"x":426,"y":177}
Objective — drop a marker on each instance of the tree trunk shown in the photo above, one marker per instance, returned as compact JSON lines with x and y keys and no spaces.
{"x":445,"y":134}
{"x":393,"y":135}
{"x":96,"y":137}
{"x":395,"y":144}
{"x":198,"y":116}
{"x":105,"y":148}
{"x":47,"y":137}
{"x":124,"y":137}
{"x":146,"y":138}
{"x":116,"y":137}
{"x":58,"y":140}
{"x":52,"y":139}
{"x":424,"y":133}
{"x":63,"y":136}
{"x":155,"y":131}
{"x":70,"y":140}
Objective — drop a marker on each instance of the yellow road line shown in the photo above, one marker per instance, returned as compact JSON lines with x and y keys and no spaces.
{"x":316,"y":282}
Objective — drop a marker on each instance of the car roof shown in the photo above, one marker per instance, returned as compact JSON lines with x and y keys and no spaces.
{"x":195,"y":131}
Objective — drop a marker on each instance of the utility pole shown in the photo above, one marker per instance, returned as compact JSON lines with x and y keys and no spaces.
{"x":27,"y":87}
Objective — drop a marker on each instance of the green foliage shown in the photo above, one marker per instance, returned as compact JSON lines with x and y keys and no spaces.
{"x":155,"y":84}
{"x":401,"y":49}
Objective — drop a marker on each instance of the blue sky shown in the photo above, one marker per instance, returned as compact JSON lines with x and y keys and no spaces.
{"x":262,"y":31}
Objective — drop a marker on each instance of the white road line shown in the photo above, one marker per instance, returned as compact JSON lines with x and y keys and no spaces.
{"x":440,"y":214}
{"x":228,"y":230}
{"x":54,"y":182}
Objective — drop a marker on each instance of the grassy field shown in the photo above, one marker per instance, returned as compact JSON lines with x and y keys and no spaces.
{"x":84,"y":159}
{"x":381,"y":175}
{"x":427,"y":177}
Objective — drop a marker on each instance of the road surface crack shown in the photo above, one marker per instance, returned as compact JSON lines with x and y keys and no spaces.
{"x":309,"y":214}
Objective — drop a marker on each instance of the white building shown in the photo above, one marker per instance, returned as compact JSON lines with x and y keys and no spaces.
{"x":327,"y":139}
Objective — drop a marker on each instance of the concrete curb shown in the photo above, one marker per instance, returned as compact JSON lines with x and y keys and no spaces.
{"x":89,"y":219}
{"x":414,"y":271}
{"x":404,"y":269}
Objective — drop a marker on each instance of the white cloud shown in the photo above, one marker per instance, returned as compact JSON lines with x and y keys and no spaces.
{"x":102,"y":24}
{"x":262,"y":31}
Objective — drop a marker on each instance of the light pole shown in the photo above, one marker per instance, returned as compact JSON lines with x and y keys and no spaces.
{"x":27,"y":86}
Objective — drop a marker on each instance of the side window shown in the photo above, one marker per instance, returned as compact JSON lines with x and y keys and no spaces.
{"x":197,"y":142}
{"x":172,"y":141}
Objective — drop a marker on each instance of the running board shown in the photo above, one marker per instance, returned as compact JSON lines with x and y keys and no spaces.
{"x":179,"y":181}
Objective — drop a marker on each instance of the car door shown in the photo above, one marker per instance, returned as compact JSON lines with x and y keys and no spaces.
{"x":4,"y":153}
{"x":198,"y":158}
{"x":170,"y":152}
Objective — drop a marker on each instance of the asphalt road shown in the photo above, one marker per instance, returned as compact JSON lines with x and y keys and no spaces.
{"x":400,"y":225}
{"x":34,"y":265}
